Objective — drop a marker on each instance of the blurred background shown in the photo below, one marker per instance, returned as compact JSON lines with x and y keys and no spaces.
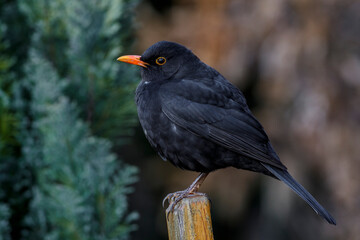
{"x":74,"y":163}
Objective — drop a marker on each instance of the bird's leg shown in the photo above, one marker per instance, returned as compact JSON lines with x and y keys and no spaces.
{"x":194,"y":187}
{"x":176,"y":197}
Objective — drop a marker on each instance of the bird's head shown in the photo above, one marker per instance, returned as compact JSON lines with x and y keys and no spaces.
{"x":163,"y":61}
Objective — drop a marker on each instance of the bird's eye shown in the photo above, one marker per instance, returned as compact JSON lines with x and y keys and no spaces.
{"x":160,"y":61}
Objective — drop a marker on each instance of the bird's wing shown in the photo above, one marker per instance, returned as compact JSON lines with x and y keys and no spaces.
{"x":218,"y":118}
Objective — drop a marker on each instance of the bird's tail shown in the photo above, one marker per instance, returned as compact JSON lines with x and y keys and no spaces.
{"x":284,"y":176}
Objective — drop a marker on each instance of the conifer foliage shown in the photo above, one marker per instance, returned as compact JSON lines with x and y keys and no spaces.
{"x":80,"y":186}
{"x":61,"y":117}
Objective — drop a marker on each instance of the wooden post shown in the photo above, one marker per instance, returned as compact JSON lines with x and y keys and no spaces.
{"x":190,"y":220}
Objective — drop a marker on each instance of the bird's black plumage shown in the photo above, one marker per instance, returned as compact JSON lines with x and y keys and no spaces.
{"x":199,"y":121}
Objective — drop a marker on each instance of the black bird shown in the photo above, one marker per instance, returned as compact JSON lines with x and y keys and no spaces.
{"x":199,"y":121}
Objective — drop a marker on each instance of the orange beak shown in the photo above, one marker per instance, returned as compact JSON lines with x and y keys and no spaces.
{"x":133,"y":59}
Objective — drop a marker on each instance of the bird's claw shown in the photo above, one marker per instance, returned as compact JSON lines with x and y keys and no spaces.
{"x":171,"y":196}
{"x":167,"y":198}
{"x":176,"y":197}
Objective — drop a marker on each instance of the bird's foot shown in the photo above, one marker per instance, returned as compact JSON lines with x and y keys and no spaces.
{"x":169,"y":197}
{"x":172,"y":197}
{"x":176,"y":197}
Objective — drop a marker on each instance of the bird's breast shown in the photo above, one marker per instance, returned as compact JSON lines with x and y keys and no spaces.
{"x":172,"y":142}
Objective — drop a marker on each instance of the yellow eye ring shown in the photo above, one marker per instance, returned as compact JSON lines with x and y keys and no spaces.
{"x":160,"y":61}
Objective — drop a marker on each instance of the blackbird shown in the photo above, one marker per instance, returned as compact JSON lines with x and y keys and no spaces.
{"x":196,"y":119}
